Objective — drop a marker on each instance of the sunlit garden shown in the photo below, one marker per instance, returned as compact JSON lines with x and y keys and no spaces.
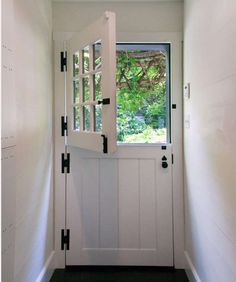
{"x":141,"y":94}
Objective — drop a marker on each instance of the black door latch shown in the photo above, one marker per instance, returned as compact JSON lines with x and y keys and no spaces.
{"x":164,"y":163}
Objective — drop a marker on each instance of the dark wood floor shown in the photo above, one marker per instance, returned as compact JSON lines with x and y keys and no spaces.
{"x":117,"y":274}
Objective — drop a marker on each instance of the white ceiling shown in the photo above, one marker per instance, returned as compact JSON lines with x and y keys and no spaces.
{"x":117,"y":0}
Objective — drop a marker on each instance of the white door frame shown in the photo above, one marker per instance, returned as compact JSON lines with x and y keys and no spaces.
{"x":175,"y":38}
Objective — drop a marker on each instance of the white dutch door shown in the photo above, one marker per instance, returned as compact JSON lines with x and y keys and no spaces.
{"x":119,"y":189}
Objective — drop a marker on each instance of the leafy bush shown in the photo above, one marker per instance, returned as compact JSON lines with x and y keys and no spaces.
{"x":141,"y":96}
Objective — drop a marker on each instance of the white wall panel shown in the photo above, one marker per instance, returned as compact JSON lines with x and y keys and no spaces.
{"x":33,"y":153}
{"x":8,"y":142}
{"x":8,"y":212}
{"x":210,"y":161}
{"x":8,"y":129}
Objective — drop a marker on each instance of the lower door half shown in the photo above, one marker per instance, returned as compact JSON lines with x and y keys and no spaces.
{"x":119,"y":207}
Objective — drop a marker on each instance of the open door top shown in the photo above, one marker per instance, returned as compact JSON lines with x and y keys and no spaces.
{"x":91,"y":86}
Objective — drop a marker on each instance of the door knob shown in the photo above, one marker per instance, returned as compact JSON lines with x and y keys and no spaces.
{"x":164,"y":164}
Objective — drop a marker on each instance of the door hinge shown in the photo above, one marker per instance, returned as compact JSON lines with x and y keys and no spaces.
{"x":63,"y":61}
{"x":65,"y":239}
{"x":104,"y":144}
{"x":64,"y":126}
{"x":172,"y":158}
{"x":65,"y":163}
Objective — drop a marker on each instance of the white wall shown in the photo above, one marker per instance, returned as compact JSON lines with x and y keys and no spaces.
{"x":32,"y":46}
{"x":8,"y":142}
{"x":210,"y":158}
{"x":137,"y":17}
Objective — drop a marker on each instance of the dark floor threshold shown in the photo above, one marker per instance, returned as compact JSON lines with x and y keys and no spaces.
{"x":112,"y":268}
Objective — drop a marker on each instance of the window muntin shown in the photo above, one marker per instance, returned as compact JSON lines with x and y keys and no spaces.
{"x":143,"y":86}
{"x":87,"y":113}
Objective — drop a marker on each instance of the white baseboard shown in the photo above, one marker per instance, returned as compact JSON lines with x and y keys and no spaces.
{"x":48,"y":269}
{"x":190,"y":270}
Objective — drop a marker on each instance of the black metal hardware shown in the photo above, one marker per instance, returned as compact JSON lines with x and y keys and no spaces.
{"x":65,"y":239}
{"x":164,"y":164}
{"x":64,"y":126}
{"x":172,"y":158}
{"x":174,"y":106}
{"x":163,"y":147}
{"x":104,"y":144}
{"x":63,"y":61}
{"x":65,"y":163}
{"x":105,"y":101}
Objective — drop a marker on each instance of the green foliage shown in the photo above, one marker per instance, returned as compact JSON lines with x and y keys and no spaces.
{"x":149,"y":135}
{"x":141,"y":96}
{"x":128,"y":124}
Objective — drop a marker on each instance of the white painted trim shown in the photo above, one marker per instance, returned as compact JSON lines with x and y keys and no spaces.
{"x":48,"y":269}
{"x":190,"y":269}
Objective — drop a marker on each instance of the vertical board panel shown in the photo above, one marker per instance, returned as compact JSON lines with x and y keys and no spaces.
{"x":74,"y":206}
{"x":121,"y":208}
{"x":164,"y":211}
{"x":128,"y":203}
{"x":90,"y":201}
{"x":108,"y":203}
{"x":147,"y":204}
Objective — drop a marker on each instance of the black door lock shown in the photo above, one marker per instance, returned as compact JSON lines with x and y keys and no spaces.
{"x":164,"y":163}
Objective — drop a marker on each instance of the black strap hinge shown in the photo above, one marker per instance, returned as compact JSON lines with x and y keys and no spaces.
{"x":105,"y":101}
{"x":64,"y":126}
{"x":65,"y":163}
{"x":65,"y":239}
{"x":172,"y":158}
{"x":63,"y":61}
{"x":105,"y":150}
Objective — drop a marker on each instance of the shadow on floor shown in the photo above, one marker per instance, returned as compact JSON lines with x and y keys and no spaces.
{"x":103,"y":274}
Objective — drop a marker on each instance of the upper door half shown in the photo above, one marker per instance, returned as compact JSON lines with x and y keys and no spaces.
{"x":91,"y":86}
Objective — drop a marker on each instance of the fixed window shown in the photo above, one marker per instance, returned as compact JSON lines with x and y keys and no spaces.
{"x":142,"y":92}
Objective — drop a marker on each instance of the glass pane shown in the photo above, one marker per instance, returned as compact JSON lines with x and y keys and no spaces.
{"x":86,"y":110}
{"x":97,"y":86}
{"x":76,"y":118}
{"x":97,"y":59}
{"x":85,"y":58}
{"x":76,"y":91}
{"x":76,"y":64}
{"x":142,"y":78}
{"x":98,"y":118}
{"x":85,"y":89}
